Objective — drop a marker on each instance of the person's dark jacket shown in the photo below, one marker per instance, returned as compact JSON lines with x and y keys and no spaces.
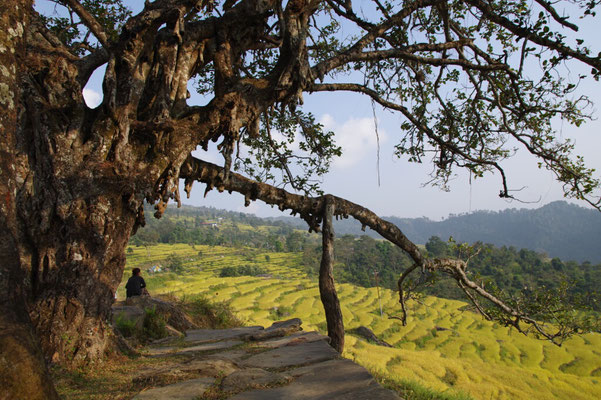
{"x":134,"y":286}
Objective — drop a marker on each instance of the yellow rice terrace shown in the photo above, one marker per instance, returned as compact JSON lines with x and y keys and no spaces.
{"x":443,"y":347}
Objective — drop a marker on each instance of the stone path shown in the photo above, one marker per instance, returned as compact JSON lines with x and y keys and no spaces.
{"x":253,"y":363}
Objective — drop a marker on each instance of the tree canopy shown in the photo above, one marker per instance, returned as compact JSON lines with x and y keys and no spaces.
{"x":472,"y":79}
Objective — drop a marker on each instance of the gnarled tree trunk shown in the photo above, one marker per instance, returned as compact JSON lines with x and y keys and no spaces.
{"x":74,"y":179}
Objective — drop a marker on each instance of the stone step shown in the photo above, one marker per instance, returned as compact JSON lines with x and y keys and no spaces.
{"x":330,"y":380}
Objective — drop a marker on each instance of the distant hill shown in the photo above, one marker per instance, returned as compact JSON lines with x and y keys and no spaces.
{"x":559,"y":229}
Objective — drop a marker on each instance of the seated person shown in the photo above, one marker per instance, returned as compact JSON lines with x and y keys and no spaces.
{"x":135,"y":285}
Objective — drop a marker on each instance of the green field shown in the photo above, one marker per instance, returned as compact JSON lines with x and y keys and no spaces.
{"x":441,"y":347}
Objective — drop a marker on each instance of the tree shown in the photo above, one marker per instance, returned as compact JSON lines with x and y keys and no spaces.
{"x":73,"y":179}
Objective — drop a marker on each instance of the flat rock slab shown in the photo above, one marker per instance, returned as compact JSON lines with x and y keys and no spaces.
{"x":287,"y":356}
{"x":187,"y":390}
{"x":226,"y":344}
{"x":213,"y":335}
{"x":231,"y":355}
{"x":252,"y":378}
{"x":211,"y":367}
{"x":293,"y":340}
{"x":335,"y":379}
{"x":211,"y":346}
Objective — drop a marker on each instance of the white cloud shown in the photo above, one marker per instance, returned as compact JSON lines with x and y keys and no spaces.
{"x":92,"y":97}
{"x":356,"y":136}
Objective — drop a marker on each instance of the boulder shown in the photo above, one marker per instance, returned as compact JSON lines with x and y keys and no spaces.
{"x":213,"y":335}
{"x":276,"y":330}
{"x":368,"y":334}
{"x":173,"y":315}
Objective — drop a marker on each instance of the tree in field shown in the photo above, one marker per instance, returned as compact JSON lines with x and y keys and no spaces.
{"x":471,"y":79}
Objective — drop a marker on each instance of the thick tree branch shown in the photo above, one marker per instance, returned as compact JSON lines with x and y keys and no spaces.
{"x":89,"y":21}
{"x":311,"y":209}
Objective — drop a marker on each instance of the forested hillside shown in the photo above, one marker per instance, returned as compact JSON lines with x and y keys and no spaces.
{"x":511,"y":269}
{"x":558,"y":229}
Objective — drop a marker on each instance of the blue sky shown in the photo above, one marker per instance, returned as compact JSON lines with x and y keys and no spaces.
{"x":401,"y":191}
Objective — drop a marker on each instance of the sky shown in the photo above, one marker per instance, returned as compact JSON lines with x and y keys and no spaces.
{"x":394,"y":187}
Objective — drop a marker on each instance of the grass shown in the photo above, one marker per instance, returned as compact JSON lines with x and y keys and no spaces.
{"x":110,"y":380}
{"x":442,"y":349}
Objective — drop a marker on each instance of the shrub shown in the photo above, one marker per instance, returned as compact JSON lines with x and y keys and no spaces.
{"x":154,"y":325}
{"x":125,"y":326}
{"x":175,"y":263}
{"x":208,"y":314}
{"x":277,"y":313}
{"x":244,"y":270}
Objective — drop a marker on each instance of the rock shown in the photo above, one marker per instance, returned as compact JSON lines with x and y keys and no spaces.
{"x":212,"y":346}
{"x":211,"y":367}
{"x":226,"y":344}
{"x":252,"y":378}
{"x":212,"y":335}
{"x":277,"y":329}
{"x":173,"y":315}
{"x":231,"y":355}
{"x":368,"y":334}
{"x":293,"y":340}
{"x":331,"y":380}
{"x":293,"y":323}
{"x":186,"y":390}
{"x":301,"y":354}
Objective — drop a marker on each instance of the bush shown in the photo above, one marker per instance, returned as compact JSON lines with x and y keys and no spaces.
{"x":277,"y":313}
{"x":175,"y":263}
{"x":245,"y":270}
{"x":154,"y":325}
{"x":125,"y":326}
{"x":208,"y":314}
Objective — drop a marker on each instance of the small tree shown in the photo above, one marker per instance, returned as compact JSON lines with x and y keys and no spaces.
{"x":175,"y":263}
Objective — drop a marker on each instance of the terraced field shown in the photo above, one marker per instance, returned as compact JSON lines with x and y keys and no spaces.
{"x":441,"y":346}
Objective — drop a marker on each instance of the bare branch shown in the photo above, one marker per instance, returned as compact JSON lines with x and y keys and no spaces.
{"x":551,"y":10}
{"x":529,"y":34}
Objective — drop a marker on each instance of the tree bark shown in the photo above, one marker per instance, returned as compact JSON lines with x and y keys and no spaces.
{"x":23,"y":374}
{"x":327,"y":288}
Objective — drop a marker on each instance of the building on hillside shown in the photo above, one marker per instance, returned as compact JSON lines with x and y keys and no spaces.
{"x":155,"y":268}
